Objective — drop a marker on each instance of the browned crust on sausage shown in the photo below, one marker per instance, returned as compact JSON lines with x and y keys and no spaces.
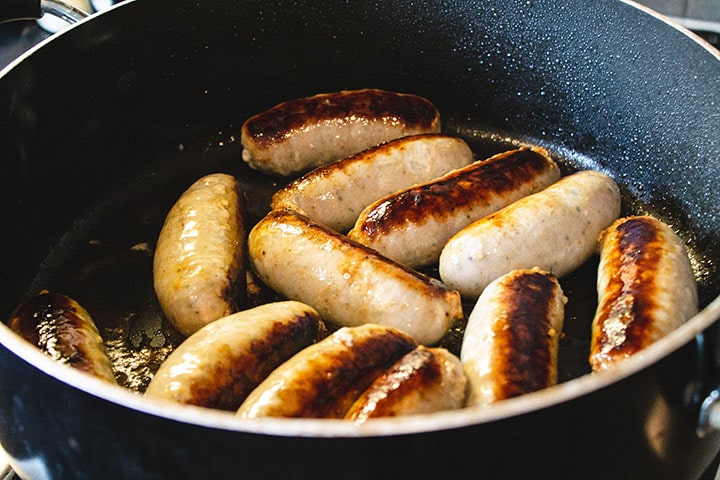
{"x":237,"y":375}
{"x":325,"y":379}
{"x":352,"y":373}
{"x":60,"y":327}
{"x":523,"y":347}
{"x":640,"y":246}
{"x":475,"y":184}
{"x":419,"y":372}
{"x":626,"y":319}
{"x":368,"y":105}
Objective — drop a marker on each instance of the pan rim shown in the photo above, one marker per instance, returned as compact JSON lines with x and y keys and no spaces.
{"x":330,"y":428}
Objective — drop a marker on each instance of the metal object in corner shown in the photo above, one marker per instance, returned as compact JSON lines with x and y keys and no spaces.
{"x":59,"y":14}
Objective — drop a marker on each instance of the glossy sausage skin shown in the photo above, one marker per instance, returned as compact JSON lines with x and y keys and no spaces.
{"x":335,"y":194}
{"x":425,"y":380}
{"x":349,"y":284}
{"x":59,"y":326}
{"x":511,"y":341}
{"x":198,"y":268}
{"x":324,"y":379}
{"x":646,"y":288}
{"x":555,"y":229}
{"x":411,"y":226}
{"x":220,"y":364}
{"x":298,"y":135}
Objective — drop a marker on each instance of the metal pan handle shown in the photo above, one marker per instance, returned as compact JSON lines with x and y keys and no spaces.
{"x":708,"y":419}
{"x":63,"y":10}
{"x":709,"y":416}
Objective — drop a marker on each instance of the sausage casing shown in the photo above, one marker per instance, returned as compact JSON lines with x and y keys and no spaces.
{"x":511,"y":340}
{"x":59,"y":326}
{"x":335,"y":194}
{"x":348,"y":283}
{"x":646,"y":288}
{"x":324,"y":379}
{"x":298,"y":135}
{"x":198,"y":267}
{"x":555,"y":229}
{"x":411,"y":226}
{"x":220,"y":364}
{"x":425,"y":380}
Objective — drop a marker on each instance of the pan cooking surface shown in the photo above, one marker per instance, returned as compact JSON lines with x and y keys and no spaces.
{"x":105,"y":260}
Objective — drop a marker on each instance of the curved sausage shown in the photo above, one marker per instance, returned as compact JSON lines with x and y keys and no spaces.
{"x":555,"y":229}
{"x":349,"y":284}
{"x":298,"y":135}
{"x":220,"y":364}
{"x":198,"y":267}
{"x":511,"y":340}
{"x":411,"y":226}
{"x":335,"y":194}
{"x":646,"y":288}
{"x":425,"y":380}
{"x":324,"y":379}
{"x":60,"y":327}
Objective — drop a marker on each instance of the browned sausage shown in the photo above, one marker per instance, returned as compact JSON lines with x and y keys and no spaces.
{"x":646,"y":288}
{"x":59,"y":326}
{"x":220,"y":364}
{"x":424,"y":380}
{"x":299,"y":135}
{"x":198,"y":268}
{"x":335,"y":194}
{"x":348,"y":283}
{"x":412,"y":225}
{"x":511,"y":341}
{"x":554,"y":229}
{"x":324,"y":379}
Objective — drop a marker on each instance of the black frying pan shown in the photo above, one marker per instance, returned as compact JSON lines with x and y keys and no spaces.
{"x":105,"y":124}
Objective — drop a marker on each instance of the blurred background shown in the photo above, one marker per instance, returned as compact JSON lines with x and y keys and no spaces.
{"x":701,"y":10}
{"x":701,"y":16}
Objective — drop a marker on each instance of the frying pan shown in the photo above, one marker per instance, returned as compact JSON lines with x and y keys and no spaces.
{"x":105,"y":124}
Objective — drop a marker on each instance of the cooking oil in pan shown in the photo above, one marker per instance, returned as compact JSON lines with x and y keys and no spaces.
{"x":109,"y":268}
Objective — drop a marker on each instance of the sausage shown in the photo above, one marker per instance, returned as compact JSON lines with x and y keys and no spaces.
{"x":349,"y":284}
{"x":335,"y":194}
{"x":220,"y":364}
{"x":324,"y":379}
{"x":412,"y":226}
{"x":645,"y":285}
{"x":60,"y":327}
{"x":198,"y":266}
{"x":511,"y":340}
{"x":555,"y":229}
{"x":298,"y":135}
{"x":425,"y":380}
